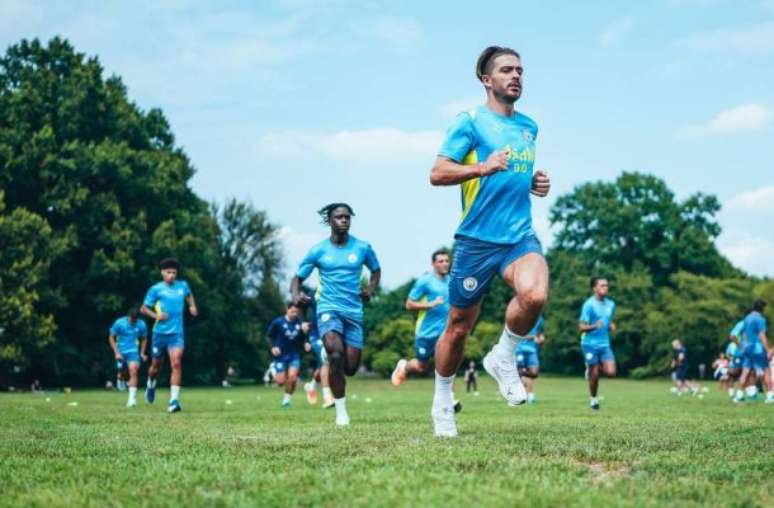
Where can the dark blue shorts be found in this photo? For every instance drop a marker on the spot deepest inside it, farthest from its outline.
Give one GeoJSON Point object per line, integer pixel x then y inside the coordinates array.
{"type": "Point", "coordinates": [425, 348]}
{"type": "Point", "coordinates": [477, 262]}
{"type": "Point", "coordinates": [527, 359]}
{"type": "Point", "coordinates": [593, 354]}
{"type": "Point", "coordinates": [289, 361]}
{"type": "Point", "coordinates": [681, 372]}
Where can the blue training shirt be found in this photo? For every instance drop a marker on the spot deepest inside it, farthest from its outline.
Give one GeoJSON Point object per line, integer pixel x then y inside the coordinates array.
{"type": "Point", "coordinates": [528, 344]}
{"type": "Point", "coordinates": [431, 322]}
{"type": "Point", "coordinates": [127, 334]}
{"type": "Point", "coordinates": [495, 208]}
{"type": "Point", "coordinates": [170, 299]}
{"type": "Point", "coordinates": [754, 324]}
{"type": "Point", "coordinates": [592, 311]}
{"type": "Point", "coordinates": [286, 335]}
{"type": "Point", "coordinates": [340, 268]}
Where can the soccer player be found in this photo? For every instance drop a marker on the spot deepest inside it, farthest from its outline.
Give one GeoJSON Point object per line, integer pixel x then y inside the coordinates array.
{"type": "Point", "coordinates": [528, 358]}
{"type": "Point", "coordinates": [596, 325]}
{"type": "Point", "coordinates": [165, 303]}
{"type": "Point", "coordinates": [124, 336]}
{"type": "Point", "coordinates": [734, 354]}
{"type": "Point", "coordinates": [321, 371]}
{"type": "Point", "coordinates": [755, 354]}
{"type": "Point", "coordinates": [471, 378]}
{"type": "Point", "coordinates": [680, 367]}
{"type": "Point", "coordinates": [430, 297]}
{"type": "Point", "coordinates": [720, 371]}
{"type": "Point", "coordinates": [287, 341]}
{"type": "Point", "coordinates": [339, 260]}
{"type": "Point", "coordinates": [490, 152]}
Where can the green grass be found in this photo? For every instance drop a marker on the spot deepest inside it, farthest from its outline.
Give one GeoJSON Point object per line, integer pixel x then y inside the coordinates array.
{"type": "Point", "coordinates": [645, 448]}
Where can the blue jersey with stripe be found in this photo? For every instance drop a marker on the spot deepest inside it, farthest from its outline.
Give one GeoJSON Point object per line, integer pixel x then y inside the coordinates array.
{"type": "Point", "coordinates": [495, 208]}
{"type": "Point", "coordinates": [431, 322]}
{"type": "Point", "coordinates": [169, 299]}
{"type": "Point", "coordinates": [127, 334]}
{"type": "Point", "coordinates": [528, 344]}
{"type": "Point", "coordinates": [592, 311]}
{"type": "Point", "coordinates": [340, 268]}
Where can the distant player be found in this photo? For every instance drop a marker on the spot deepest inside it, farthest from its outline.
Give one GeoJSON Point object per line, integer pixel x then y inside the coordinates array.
{"type": "Point", "coordinates": [471, 378]}
{"type": "Point", "coordinates": [128, 337]}
{"type": "Point", "coordinates": [429, 297]}
{"type": "Point", "coordinates": [528, 358]}
{"type": "Point", "coordinates": [734, 353]}
{"type": "Point", "coordinates": [720, 371]}
{"type": "Point", "coordinates": [596, 325]}
{"type": "Point", "coordinates": [165, 302]}
{"type": "Point", "coordinates": [756, 355]}
{"type": "Point", "coordinates": [339, 261]}
{"type": "Point", "coordinates": [287, 342]}
{"type": "Point", "coordinates": [680, 368]}
{"type": "Point", "coordinates": [321, 370]}
{"type": "Point", "coordinates": [490, 152]}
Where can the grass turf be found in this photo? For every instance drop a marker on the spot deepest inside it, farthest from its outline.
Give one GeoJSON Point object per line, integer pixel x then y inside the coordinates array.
{"type": "Point", "coordinates": [645, 448]}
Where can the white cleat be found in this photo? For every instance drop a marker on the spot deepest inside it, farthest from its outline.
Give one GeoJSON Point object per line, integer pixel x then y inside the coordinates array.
{"type": "Point", "coordinates": [399, 374]}
{"type": "Point", "coordinates": [342, 421]}
{"type": "Point", "coordinates": [131, 403]}
{"type": "Point", "coordinates": [444, 424]}
{"type": "Point", "coordinates": [508, 380]}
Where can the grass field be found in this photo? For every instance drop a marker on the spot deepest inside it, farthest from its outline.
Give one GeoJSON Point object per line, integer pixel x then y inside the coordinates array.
{"type": "Point", "coordinates": [645, 448]}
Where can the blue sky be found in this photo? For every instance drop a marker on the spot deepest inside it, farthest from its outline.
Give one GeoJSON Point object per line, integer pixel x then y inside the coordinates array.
{"type": "Point", "coordinates": [296, 103]}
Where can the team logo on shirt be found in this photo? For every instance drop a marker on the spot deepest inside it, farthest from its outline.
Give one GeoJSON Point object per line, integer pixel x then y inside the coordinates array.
{"type": "Point", "coordinates": [589, 356]}
{"type": "Point", "coordinates": [470, 283]}
{"type": "Point", "coordinates": [325, 317]}
{"type": "Point", "coordinates": [352, 258]}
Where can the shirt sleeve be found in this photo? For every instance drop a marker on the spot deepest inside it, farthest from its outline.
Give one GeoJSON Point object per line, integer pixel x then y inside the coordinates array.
{"type": "Point", "coordinates": [143, 329]}
{"type": "Point", "coordinates": [417, 290]}
{"type": "Point", "coordinates": [151, 297]}
{"type": "Point", "coordinates": [271, 331]}
{"type": "Point", "coordinates": [370, 259]}
{"type": "Point", "coordinates": [585, 316]}
{"type": "Point", "coordinates": [114, 329]}
{"type": "Point", "coordinates": [308, 264]}
{"type": "Point", "coordinates": [460, 138]}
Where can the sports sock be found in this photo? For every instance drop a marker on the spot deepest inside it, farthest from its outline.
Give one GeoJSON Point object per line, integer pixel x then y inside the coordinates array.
{"type": "Point", "coordinates": [770, 394]}
{"type": "Point", "coordinates": [530, 397]}
{"type": "Point", "coordinates": [286, 398]}
{"type": "Point", "coordinates": [174, 393]}
{"type": "Point", "coordinates": [594, 401]}
{"type": "Point", "coordinates": [327, 392]}
{"type": "Point", "coordinates": [739, 394]}
{"type": "Point", "coordinates": [313, 384]}
{"type": "Point", "coordinates": [443, 390]}
{"type": "Point", "coordinates": [507, 344]}
{"type": "Point", "coordinates": [132, 394]}
{"type": "Point", "coordinates": [341, 407]}
{"type": "Point", "coordinates": [151, 383]}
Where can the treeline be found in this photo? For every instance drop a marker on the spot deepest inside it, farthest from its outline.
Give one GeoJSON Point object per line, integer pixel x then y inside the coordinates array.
{"type": "Point", "coordinates": [93, 193]}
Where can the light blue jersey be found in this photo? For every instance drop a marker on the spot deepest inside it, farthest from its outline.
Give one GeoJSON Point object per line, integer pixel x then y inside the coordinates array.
{"type": "Point", "coordinates": [592, 311]}
{"type": "Point", "coordinates": [340, 268]}
{"type": "Point", "coordinates": [738, 330]}
{"type": "Point", "coordinates": [754, 324]}
{"type": "Point", "coordinates": [495, 208]}
{"type": "Point", "coordinates": [529, 345]}
{"type": "Point", "coordinates": [127, 334]}
{"type": "Point", "coordinates": [170, 299]}
{"type": "Point", "coordinates": [431, 322]}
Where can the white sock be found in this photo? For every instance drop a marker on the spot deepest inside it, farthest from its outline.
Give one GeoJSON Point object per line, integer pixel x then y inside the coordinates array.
{"type": "Point", "coordinates": [770, 394]}
{"type": "Point", "coordinates": [341, 407]}
{"type": "Point", "coordinates": [174, 393]}
{"type": "Point", "coordinates": [313, 384]}
{"type": "Point", "coordinates": [730, 392]}
{"type": "Point", "coordinates": [132, 393]}
{"type": "Point", "coordinates": [443, 390]}
{"type": "Point", "coordinates": [507, 344]}
{"type": "Point", "coordinates": [739, 394]}
{"type": "Point", "coordinates": [594, 401]}
{"type": "Point", "coordinates": [151, 383]}
{"type": "Point", "coordinates": [286, 397]}
{"type": "Point", "coordinates": [530, 396]}
{"type": "Point", "coordinates": [327, 392]}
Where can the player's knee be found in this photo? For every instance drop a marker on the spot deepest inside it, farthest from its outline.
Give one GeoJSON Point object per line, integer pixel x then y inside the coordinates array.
{"type": "Point", "coordinates": [533, 299]}
{"type": "Point", "coordinates": [610, 371]}
{"type": "Point", "coordinates": [336, 360]}
{"type": "Point", "coordinates": [458, 331]}
{"type": "Point", "coordinates": [533, 372]}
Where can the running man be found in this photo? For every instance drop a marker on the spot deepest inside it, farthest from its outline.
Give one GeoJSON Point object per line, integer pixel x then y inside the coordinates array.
{"type": "Point", "coordinates": [124, 336]}
{"type": "Point", "coordinates": [490, 152]}
{"type": "Point", "coordinates": [165, 303]}
{"type": "Point", "coordinates": [528, 358]}
{"type": "Point", "coordinates": [321, 370]}
{"type": "Point", "coordinates": [680, 368]}
{"type": "Point", "coordinates": [734, 354]}
{"type": "Point", "coordinates": [430, 297]}
{"type": "Point", "coordinates": [339, 260]}
{"type": "Point", "coordinates": [286, 340]}
{"type": "Point", "coordinates": [756, 354]}
{"type": "Point", "coordinates": [596, 325]}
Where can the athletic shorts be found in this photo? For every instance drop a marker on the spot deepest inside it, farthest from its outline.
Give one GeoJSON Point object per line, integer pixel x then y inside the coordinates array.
{"type": "Point", "coordinates": [527, 359]}
{"type": "Point", "coordinates": [424, 347]}
{"type": "Point", "coordinates": [349, 328]}
{"type": "Point", "coordinates": [736, 363]}
{"type": "Point", "coordinates": [128, 357]}
{"type": "Point", "coordinates": [593, 355]}
{"type": "Point", "coordinates": [319, 350]}
{"type": "Point", "coordinates": [285, 362]}
{"type": "Point", "coordinates": [161, 342]}
{"type": "Point", "coordinates": [476, 262]}
{"type": "Point", "coordinates": [681, 372]}
{"type": "Point", "coordinates": [721, 374]}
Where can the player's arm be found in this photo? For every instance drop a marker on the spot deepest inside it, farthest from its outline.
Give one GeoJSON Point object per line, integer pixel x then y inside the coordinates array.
{"type": "Point", "coordinates": [192, 308]}
{"type": "Point", "coordinates": [765, 342]}
{"type": "Point", "coordinates": [586, 327]}
{"type": "Point", "coordinates": [114, 346]}
{"type": "Point", "coordinates": [415, 305]}
{"type": "Point", "coordinates": [540, 338]}
{"type": "Point", "coordinates": [143, 346]}
{"type": "Point", "coordinates": [612, 327]}
{"type": "Point", "coordinates": [449, 172]}
{"type": "Point", "coordinates": [373, 283]}
{"type": "Point", "coordinates": [298, 296]}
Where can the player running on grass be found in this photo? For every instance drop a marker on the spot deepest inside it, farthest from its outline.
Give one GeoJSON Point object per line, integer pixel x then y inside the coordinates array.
{"type": "Point", "coordinates": [734, 354]}
{"type": "Point", "coordinates": [680, 368]}
{"type": "Point", "coordinates": [165, 303]}
{"type": "Point", "coordinates": [490, 152]}
{"type": "Point", "coordinates": [756, 355]}
{"type": "Point", "coordinates": [339, 260]}
{"type": "Point", "coordinates": [287, 341]}
{"type": "Point", "coordinates": [321, 370]}
{"type": "Point", "coordinates": [528, 358]}
{"type": "Point", "coordinates": [596, 325]}
{"type": "Point", "coordinates": [126, 334]}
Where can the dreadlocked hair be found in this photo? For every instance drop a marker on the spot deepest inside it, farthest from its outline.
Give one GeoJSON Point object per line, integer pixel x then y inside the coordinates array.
{"type": "Point", "coordinates": [326, 211]}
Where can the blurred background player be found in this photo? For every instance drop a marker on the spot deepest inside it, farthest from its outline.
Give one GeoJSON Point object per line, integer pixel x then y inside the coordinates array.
{"type": "Point", "coordinates": [471, 377]}
{"type": "Point", "coordinates": [128, 337]}
{"type": "Point", "coordinates": [528, 358]}
{"type": "Point", "coordinates": [680, 367]}
{"type": "Point", "coordinates": [756, 355]}
{"type": "Point", "coordinates": [287, 341]}
{"type": "Point", "coordinates": [165, 303]}
{"type": "Point", "coordinates": [321, 370]}
{"type": "Point", "coordinates": [596, 325]}
{"type": "Point", "coordinates": [339, 260]}
{"type": "Point", "coordinates": [734, 354]}
{"type": "Point", "coordinates": [720, 371]}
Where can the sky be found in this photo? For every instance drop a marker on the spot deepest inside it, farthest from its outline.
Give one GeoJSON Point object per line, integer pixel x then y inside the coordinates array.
{"type": "Point", "coordinates": [293, 104]}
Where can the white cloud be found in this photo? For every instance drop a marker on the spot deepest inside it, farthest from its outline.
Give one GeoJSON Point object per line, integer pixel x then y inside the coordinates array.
{"type": "Point", "coordinates": [296, 244]}
{"type": "Point", "coordinates": [744, 118]}
{"type": "Point", "coordinates": [751, 253]}
{"type": "Point", "coordinates": [616, 31]}
{"type": "Point", "coordinates": [755, 39]}
{"type": "Point", "coordinates": [396, 32]}
{"type": "Point", "coordinates": [455, 107]}
{"type": "Point", "coordinates": [363, 146]}
{"type": "Point", "coordinates": [754, 200]}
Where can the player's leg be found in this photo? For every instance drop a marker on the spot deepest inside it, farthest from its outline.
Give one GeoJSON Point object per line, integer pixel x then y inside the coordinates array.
{"type": "Point", "coordinates": [742, 383]}
{"type": "Point", "coordinates": [326, 386]}
{"type": "Point", "coordinates": [121, 375]}
{"type": "Point", "coordinates": [591, 357]}
{"type": "Point", "coordinates": [134, 368]}
{"type": "Point", "coordinates": [290, 383]}
{"type": "Point", "coordinates": [175, 352]}
{"type": "Point", "coordinates": [769, 381]}
{"type": "Point", "coordinates": [530, 374]}
{"type": "Point", "coordinates": [158, 348]}
{"type": "Point", "coordinates": [424, 349]}
{"type": "Point", "coordinates": [337, 363]}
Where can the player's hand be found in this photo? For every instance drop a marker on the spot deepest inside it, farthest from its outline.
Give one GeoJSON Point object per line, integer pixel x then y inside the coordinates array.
{"type": "Point", "coordinates": [193, 310]}
{"type": "Point", "coordinates": [599, 324]}
{"type": "Point", "coordinates": [541, 184]}
{"type": "Point", "coordinates": [301, 299]}
{"type": "Point", "coordinates": [612, 327]}
{"type": "Point", "coordinates": [497, 161]}
{"type": "Point", "coordinates": [365, 295]}
{"type": "Point", "coordinates": [275, 351]}
{"type": "Point", "coordinates": [118, 356]}
{"type": "Point", "coordinates": [437, 302]}
{"type": "Point", "coordinates": [306, 326]}
{"type": "Point", "coordinates": [307, 347]}
{"type": "Point", "coordinates": [162, 316]}
{"type": "Point", "coordinates": [144, 357]}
